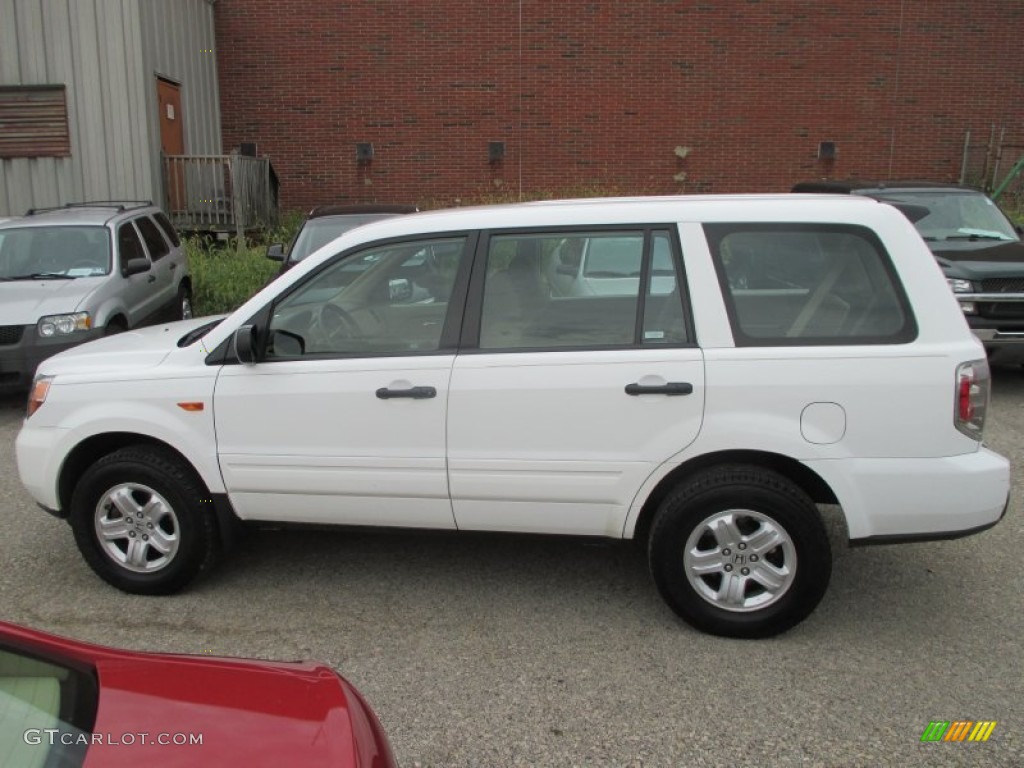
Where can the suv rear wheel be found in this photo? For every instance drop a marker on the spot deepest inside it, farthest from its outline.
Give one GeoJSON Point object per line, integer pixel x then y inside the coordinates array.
{"type": "Point", "coordinates": [140, 522]}
{"type": "Point", "coordinates": [740, 551]}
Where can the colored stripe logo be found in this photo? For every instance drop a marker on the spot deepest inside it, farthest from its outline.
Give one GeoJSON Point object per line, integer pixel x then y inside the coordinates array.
{"type": "Point", "coordinates": [958, 730]}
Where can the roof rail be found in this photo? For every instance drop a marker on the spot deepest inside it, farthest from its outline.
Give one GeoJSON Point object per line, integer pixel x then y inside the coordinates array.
{"type": "Point", "coordinates": [119, 205]}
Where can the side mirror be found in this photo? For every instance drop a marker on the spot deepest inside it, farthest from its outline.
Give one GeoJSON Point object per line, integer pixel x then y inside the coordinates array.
{"type": "Point", "coordinates": [399, 289]}
{"type": "Point", "coordinates": [275, 252]}
{"type": "Point", "coordinates": [245, 344]}
{"type": "Point", "coordinates": [135, 267]}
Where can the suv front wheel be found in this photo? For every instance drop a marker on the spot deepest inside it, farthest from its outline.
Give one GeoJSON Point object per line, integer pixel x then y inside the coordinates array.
{"type": "Point", "coordinates": [740, 551]}
{"type": "Point", "coordinates": [184, 303]}
{"type": "Point", "coordinates": [140, 521]}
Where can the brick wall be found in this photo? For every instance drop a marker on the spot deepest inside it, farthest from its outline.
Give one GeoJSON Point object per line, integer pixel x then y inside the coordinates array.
{"type": "Point", "coordinates": [599, 93]}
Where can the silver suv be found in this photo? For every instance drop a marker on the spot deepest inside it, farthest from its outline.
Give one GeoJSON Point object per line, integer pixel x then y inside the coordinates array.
{"type": "Point", "coordinates": [85, 270]}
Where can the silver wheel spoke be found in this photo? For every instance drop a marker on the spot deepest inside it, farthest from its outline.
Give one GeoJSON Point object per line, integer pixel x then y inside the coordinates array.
{"type": "Point", "coordinates": [725, 531]}
{"type": "Point", "coordinates": [122, 499]}
{"type": "Point", "coordinates": [162, 542]}
{"type": "Point", "coordinates": [706, 562]}
{"type": "Point", "coordinates": [768, 576]}
{"type": "Point", "coordinates": [113, 530]}
{"type": "Point", "coordinates": [154, 505]}
{"type": "Point", "coordinates": [765, 539]}
{"type": "Point", "coordinates": [136, 554]}
{"type": "Point", "coordinates": [731, 589]}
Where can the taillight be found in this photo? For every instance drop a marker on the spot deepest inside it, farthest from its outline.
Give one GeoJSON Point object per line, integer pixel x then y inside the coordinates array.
{"type": "Point", "coordinates": [973, 383]}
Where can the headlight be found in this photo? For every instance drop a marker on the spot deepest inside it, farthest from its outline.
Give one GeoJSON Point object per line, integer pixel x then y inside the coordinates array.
{"type": "Point", "coordinates": [956, 285]}
{"type": "Point", "coordinates": [62, 325]}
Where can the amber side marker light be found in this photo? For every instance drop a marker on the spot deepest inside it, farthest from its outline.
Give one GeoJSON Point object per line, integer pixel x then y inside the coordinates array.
{"type": "Point", "coordinates": [37, 395]}
{"type": "Point", "coordinates": [191, 406]}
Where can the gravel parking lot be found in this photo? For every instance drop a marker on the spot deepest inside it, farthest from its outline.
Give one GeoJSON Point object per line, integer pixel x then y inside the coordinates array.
{"type": "Point", "coordinates": [519, 651]}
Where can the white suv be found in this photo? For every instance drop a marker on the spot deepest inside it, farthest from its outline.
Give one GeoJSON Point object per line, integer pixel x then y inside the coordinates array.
{"type": "Point", "coordinates": [805, 352]}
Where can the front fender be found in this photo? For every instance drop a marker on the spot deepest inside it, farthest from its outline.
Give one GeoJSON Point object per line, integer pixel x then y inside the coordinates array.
{"type": "Point", "coordinates": [77, 412]}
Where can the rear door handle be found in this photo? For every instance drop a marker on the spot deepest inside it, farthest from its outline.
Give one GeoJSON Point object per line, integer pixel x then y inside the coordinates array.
{"type": "Point", "coordinates": [416, 393]}
{"type": "Point", "coordinates": [152, 279]}
{"type": "Point", "coordinates": [671, 388]}
{"type": "Point", "coordinates": [173, 266]}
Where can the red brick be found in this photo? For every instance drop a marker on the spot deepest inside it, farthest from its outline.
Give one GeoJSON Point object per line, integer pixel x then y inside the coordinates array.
{"type": "Point", "coordinates": [599, 93]}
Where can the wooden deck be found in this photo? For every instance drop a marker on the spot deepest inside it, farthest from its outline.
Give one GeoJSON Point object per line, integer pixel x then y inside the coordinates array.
{"type": "Point", "coordinates": [220, 193]}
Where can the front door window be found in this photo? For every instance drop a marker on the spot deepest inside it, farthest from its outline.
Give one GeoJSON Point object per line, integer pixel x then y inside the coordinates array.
{"type": "Point", "coordinates": [389, 300]}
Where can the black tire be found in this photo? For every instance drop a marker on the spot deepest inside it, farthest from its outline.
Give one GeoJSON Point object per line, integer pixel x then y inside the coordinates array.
{"type": "Point", "coordinates": [173, 514]}
{"type": "Point", "coordinates": [184, 307]}
{"type": "Point", "coordinates": [732, 520]}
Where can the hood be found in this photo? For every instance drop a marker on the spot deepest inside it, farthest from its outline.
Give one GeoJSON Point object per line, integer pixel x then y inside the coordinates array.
{"type": "Point", "coordinates": [23, 302]}
{"type": "Point", "coordinates": [129, 351]}
{"type": "Point", "coordinates": [981, 261]}
{"type": "Point", "coordinates": [247, 712]}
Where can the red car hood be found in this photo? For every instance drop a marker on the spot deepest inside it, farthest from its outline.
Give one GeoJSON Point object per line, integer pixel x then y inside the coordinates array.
{"type": "Point", "coordinates": [244, 712]}
{"type": "Point", "coordinates": [177, 710]}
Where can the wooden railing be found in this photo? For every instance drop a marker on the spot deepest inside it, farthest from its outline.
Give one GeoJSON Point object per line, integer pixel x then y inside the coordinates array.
{"type": "Point", "coordinates": [220, 193]}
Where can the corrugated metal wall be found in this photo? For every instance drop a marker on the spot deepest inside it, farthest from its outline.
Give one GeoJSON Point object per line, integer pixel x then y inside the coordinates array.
{"type": "Point", "coordinates": [179, 46]}
{"type": "Point", "coordinates": [108, 54]}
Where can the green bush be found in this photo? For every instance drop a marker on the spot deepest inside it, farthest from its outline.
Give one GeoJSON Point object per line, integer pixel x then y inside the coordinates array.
{"type": "Point", "coordinates": [223, 278]}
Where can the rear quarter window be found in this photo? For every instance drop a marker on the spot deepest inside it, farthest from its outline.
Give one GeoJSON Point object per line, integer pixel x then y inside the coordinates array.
{"type": "Point", "coordinates": [168, 228]}
{"type": "Point", "coordinates": [158, 247]}
{"type": "Point", "coordinates": [809, 284]}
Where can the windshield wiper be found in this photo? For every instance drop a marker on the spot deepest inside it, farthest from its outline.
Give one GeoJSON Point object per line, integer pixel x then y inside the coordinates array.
{"type": "Point", "coordinates": [978, 234]}
{"type": "Point", "coordinates": [42, 276]}
{"type": "Point", "coordinates": [197, 333]}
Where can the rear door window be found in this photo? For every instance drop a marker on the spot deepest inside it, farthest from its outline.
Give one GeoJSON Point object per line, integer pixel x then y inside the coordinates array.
{"type": "Point", "coordinates": [129, 244]}
{"type": "Point", "coordinates": [536, 295]}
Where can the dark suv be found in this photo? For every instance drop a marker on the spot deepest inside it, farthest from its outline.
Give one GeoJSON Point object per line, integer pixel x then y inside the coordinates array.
{"type": "Point", "coordinates": [977, 246]}
{"type": "Point", "coordinates": [326, 222]}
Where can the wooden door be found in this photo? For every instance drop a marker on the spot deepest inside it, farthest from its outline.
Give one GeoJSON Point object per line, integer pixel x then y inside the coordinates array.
{"type": "Point", "coordinates": [172, 141]}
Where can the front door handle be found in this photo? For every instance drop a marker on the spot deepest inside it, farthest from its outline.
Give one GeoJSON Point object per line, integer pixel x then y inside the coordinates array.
{"type": "Point", "coordinates": [671, 388]}
{"type": "Point", "coordinates": [416, 393]}
{"type": "Point", "coordinates": [152, 279]}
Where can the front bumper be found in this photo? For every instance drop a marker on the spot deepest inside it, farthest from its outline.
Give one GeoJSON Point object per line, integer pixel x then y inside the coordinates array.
{"type": "Point", "coordinates": [38, 460]}
{"type": "Point", "coordinates": [22, 349]}
{"type": "Point", "coordinates": [997, 319]}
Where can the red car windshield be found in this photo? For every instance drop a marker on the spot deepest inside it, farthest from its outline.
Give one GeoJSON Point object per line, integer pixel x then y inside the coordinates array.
{"type": "Point", "coordinates": [47, 711]}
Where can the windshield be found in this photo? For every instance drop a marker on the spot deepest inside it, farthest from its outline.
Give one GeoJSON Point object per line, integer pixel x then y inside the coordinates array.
{"type": "Point", "coordinates": [319, 232]}
{"type": "Point", "coordinates": [55, 251]}
{"type": "Point", "coordinates": [956, 215]}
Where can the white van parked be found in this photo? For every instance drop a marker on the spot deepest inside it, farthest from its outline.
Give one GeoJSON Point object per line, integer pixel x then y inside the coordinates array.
{"type": "Point", "coordinates": [763, 356]}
